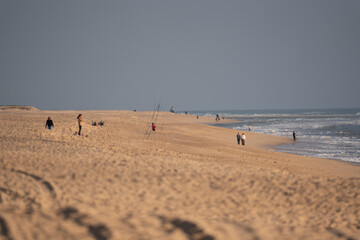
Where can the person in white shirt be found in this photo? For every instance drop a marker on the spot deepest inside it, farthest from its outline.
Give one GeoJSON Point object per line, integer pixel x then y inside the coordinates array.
{"type": "Point", "coordinates": [243, 138]}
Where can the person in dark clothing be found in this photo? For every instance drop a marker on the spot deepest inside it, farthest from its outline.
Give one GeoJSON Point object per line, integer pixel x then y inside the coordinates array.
{"type": "Point", "coordinates": [49, 124]}
{"type": "Point", "coordinates": [79, 118]}
{"type": "Point", "coordinates": [294, 136]}
{"type": "Point", "coordinates": [238, 138]}
{"type": "Point", "coordinates": [217, 117]}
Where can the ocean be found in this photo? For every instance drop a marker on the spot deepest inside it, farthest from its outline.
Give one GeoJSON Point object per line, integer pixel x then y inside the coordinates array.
{"type": "Point", "coordinates": [323, 133]}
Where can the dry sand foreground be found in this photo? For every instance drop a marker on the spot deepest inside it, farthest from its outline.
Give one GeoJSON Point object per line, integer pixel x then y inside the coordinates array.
{"type": "Point", "coordinates": [185, 181]}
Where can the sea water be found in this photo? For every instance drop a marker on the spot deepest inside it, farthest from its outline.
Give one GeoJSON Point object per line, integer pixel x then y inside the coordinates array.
{"type": "Point", "coordinates": [324, 133]}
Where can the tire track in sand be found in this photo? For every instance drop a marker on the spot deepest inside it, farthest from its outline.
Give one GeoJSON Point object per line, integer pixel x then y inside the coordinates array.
{"type": "Point", "coordinates": [30, 202]}
{"type": "Point", "coordinates": [45, 183]}
{"type": "Point", "coordinates": [192, 231]}
{"type": "Point", "coordinates": [4, 229]}
{"type": "Point", "coordinates": [98, 230]}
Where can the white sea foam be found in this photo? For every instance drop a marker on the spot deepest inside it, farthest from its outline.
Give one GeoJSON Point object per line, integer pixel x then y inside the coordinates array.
{"type": "Point", "coordinates": [333, 136]}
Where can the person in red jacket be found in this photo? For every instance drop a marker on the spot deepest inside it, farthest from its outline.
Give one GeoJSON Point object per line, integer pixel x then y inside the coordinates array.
{"type": "Point", "coordinates": [153, 126]}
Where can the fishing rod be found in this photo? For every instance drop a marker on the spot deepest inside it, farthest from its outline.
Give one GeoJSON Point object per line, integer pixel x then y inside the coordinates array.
{"type": "Point", "coordinates": [153, 120]}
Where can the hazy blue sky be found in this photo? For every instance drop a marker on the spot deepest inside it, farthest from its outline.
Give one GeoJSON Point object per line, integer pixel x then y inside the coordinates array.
{"type": "Point", "coordinates": [193, 54]}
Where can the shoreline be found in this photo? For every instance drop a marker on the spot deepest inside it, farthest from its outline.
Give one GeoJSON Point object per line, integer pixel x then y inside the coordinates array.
{"type": "Point", "coordinates": [292, 116]}
{"type": "Point", "coordinates": [239, 119]}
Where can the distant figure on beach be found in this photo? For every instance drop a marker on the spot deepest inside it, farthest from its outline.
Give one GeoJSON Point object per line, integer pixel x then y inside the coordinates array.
{"type": "Point", "coordinates": [249, 127]}
{"type": "Point", "coordinates": [238, 137]}
{"type": "Point", "coordinates": [79, 118]}
{"type": "Point", "coordinates": [185, 112]}
{"type": "Point", "coordinates": [49, 123]}
{"type": "Point", "coordinates": [197, 117]}
{"type": "Point", "coordinates": [101, 123]}
{"type": "Point", "coordinates": [153, 126]}
{"type": "Point", "coordinates": [294, 136]}
{"type": "Point", "coordinates": [243, 138]}
{"type": "Point", "coordinates": [172, 109]}
{"type": "Point", "coordinates": [217, 117]}
{"type": "Point", "coordinates": [93, 123]}
{"type": "Point", "coordinates": [223, 117]}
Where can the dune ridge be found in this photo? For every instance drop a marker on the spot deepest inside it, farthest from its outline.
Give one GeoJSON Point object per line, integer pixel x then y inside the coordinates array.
{"type": "Point", "coordinates": [17, 108]}
{"type": "Point", "coordinates": [187, 180]}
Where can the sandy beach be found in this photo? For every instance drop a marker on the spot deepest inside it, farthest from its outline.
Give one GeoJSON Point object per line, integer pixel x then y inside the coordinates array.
{"type": "Point", "coordinates": [186, 181]}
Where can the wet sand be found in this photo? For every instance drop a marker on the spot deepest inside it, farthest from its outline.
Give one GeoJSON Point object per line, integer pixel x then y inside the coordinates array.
{"type": "Point", "coordinates": [187, 180]}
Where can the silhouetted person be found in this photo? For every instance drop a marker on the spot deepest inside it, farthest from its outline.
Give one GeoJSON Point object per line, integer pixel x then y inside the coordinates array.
{"type": "Point", "coordinates": [238, 137]}
{"type": "Point", "coordinates": [79, 118]}
{"type": "Point", "coordinates": [49, 123]}
{"type": "Point", "coordinates": [294, 136]}
{"type": "Point", "coordinates": [217, 117]}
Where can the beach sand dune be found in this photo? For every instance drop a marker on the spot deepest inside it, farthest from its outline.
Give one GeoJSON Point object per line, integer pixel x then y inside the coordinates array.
{"type": "Point", "coordinates": [185, 181]}
{"type": "Point", "coordinates": [17, 108]}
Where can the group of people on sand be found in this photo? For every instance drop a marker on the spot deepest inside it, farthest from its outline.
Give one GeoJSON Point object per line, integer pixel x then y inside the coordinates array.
{"type": "Point", "coordinates": [101, 123]}
{"type": "Point", "coordinates": [50, 124]}
{"type": "Point", "coordinates": [241, 138]}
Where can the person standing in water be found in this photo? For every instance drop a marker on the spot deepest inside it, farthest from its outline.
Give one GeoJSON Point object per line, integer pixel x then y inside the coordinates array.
{"type": "Point", "coordinates": [238, 138]}
{"type": "Point", "coordinates": [249, 127]}
{"type": "Point", "coordinates": [294, 136]}
{"type": "Point", "coordinates": [49, 124]}
{"type": "Point", "coordinates": [79, 118]}
{"type": "Point", "coordinates": [243, 138]}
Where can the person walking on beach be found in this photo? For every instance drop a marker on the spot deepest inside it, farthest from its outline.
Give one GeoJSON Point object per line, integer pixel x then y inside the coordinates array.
{"type": "Point", "coordinates": [243, 138]}
{"type": "Point", "coordinates": [49, 124]}
{"type": "Point", "coordinates": [294, 136]}
{"type": "Point", "coordinates": [217, 117]}
{"type": "Point", "coordinates": [79, 118]}
{"type": "Point", "coordinates": [153, 126]}
{"type": "Point", "coordinates": [238, 137]}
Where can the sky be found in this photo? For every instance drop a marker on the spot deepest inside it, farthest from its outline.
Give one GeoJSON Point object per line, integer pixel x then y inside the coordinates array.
{"type": "Point", "coordinates": [190, 54]}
